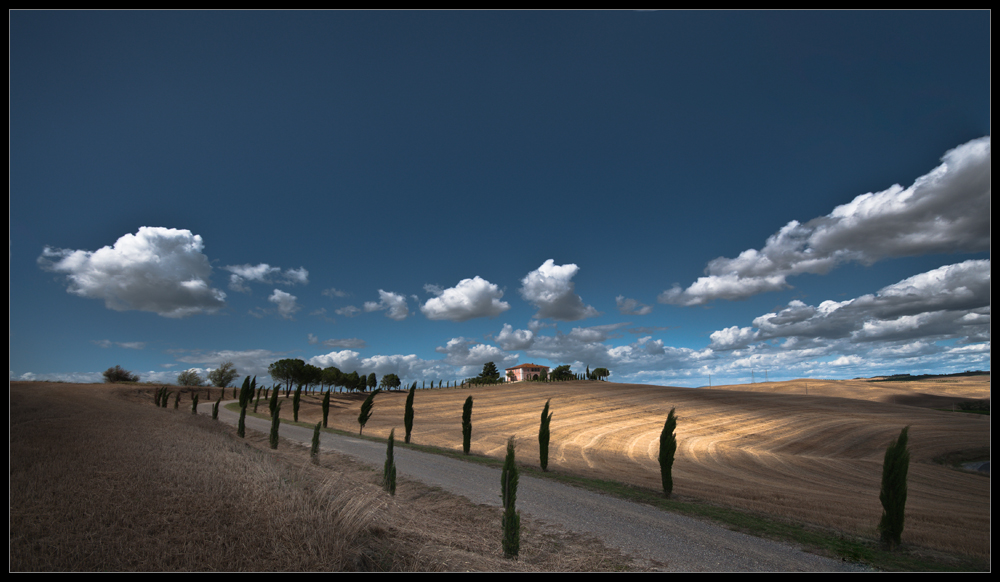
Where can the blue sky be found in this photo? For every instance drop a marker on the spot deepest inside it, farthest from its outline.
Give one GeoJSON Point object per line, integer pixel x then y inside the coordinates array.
{"type": "Point", "coordinates": [671, 195]}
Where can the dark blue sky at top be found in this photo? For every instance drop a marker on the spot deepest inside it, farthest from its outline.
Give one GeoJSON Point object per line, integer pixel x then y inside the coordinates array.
{"type": "Point", "coordinates": [391, 150]}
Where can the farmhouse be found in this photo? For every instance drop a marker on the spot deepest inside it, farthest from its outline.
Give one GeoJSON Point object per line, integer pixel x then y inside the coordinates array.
{"type": "Point", "coordinates": [526, 372]}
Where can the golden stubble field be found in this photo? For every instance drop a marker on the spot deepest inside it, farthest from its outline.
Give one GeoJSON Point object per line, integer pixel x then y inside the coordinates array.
{"type": "Point", "coordinates": [766, 447]}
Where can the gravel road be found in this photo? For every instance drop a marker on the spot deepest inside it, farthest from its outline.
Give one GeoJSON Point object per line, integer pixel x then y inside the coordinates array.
{"type": "Point", "coordinates": [677, 543]}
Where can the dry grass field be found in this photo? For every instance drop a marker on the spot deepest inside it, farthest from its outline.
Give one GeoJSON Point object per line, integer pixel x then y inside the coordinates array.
{"type": "Point", "coordinates": [101, 480]}
{"type": "Point", "coordinates": [766, 448]}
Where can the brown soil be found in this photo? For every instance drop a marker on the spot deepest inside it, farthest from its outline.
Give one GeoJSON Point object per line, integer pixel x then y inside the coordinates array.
{"type": "Point", "coordinates": [767, 448]}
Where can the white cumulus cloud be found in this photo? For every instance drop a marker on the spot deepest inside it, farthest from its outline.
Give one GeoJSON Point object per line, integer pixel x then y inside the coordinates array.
{"type": "Point", "coordinates": [550, 289]}
{"type": "Point", "coordinates": [470, 299]}
{"type": "Point", "coordinates": [162, 270]}
{"type": "Point", "coordinates": [264, 273]}
{"type": "Point", "coordinates": [286, 302]}
{"type": "Point", "coordinates": [393, 304]}
{"type": "Point", "coordinates": [946, 210]}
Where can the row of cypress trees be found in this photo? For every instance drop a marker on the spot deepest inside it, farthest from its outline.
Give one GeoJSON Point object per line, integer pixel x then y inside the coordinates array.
{"type": "Point", "coordinates": [892, 494]}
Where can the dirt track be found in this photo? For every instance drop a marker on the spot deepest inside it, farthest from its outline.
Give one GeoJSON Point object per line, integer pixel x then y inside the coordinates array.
{"type": "Point", "coordinates": [814, 459]}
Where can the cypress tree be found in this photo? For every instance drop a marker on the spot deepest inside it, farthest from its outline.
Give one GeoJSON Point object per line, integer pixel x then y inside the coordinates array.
{"type": "Point", "coordinates": [296, 400]}
{"type": "Point", "coordinates": [314, 452]}
{"type": "Point", "coordinates": [366, 410]}
{"type": "Point", "coordinates": [408, 412]}
{"type": "Point", "coordinates": [543, 437]}
{"type": "Point", "coordinates": [275, 421]}
{"type": "Point", "coordinates": [326, 407]}
{"type": "Point", "coordinates": [177, 400]}
{"type": "Point", "coordinates": [215, 408]}
{"type": "Point", "coordinates": [511, 521]}
{"type": "Point", "coordinates": [389, 471]}
{"type": "Point", "coordinates": [241, 428]}
{"type": "Point", "coordinates": [893, 493]}
{"type": "Point", "coordinates": [194, 403]}
{"type": "Point", "coordinates": [668, 446]}
{"type": "Point", "coordinates": [467, 425]}
{"type": "Point", "coordinates": [273, 402]}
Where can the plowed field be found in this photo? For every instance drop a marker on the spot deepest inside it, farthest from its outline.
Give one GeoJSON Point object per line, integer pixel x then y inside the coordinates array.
{"type": "Point", "coordinates": [813, 458]}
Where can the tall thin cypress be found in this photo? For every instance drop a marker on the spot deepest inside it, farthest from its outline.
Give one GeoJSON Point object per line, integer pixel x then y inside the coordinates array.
{"type": "Point", "coordinates": [326, 406]}
{"type": "Point", "coordinates": [296, 400]}
{"type": "Point", "coordinates": [408, 412]}
{"type": "Point", "coordinates": [273, 402]}
{"type": "Point", "coordinates": [511, 521]}
{"type": "Point", "coordinates": [893, 494]}
{"type": "Point", "coordinates": [314, 451]}
{"type": "Point", "coordinates": [389, 471]}
{"type": "Point", "coordinates": [467, 425]}
{"type": "Point", "coordinates": [668, 446]}
{"type": "Point", "coordinates": [194, 403]}
{"type": "Point", "coordinates": [543, 437]}
{"type": "Point", "coordinates": [366, 410]}
{"type": "Point", "coordinates": [275, 421]}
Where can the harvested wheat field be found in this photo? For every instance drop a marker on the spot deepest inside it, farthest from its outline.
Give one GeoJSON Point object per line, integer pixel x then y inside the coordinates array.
{"type": "Point", "coordinates": [813, 458]}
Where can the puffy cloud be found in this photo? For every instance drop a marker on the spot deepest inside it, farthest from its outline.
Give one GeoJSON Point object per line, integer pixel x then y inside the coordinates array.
{"type": "Point", "coordinates": [732, 338]}
{"type": "Point", "coordinates": [408, 366]}
{"type": "Point", "coordinates": [471, 355]}
{"type": "Point", "coordinates": [550, 289]}
{"type": "Point", "coordinates": [512, 340]}
{"type": "Point", "coordinates": [286, 303]}
{"type": "Point", "coordinates": [952, 301]}
{"type": "Point", "coordinates": [162, 270]}
{"type": "Point", "coordinates": [247, 362]}
{"type": "Point", "coordinates": [631, 306]}
{"type": "Point", "coordinates": [333, 292]}
{"type": "Point", "coordinates": [469, 299]}
{"type": "Point", "coordinates": [393, 303]}
{"type": "Point", "coordinates": [127, 345]}
{"type": "Point", "coordinates": [264, 273]}
{"type": "Point", "coordinates": [353, 342]}
{"type": "Point", "coordinates": [944, 211]}
{"type": "Point", "coordinates": [347, 311]}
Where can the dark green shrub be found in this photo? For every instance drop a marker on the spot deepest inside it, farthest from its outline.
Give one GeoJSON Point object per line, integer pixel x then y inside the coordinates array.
{"type": "Point", "coordinates": [194, 403]}
{"type": "Point", "coordinates": [543, 437]}
{"type": "Point", "coordinates": [215, 408]}
{"type": "Point", "coordinates": [511, 520]}
{"type": "Point", "coordinates": [893, 493]}
{"type": "Point", "coordinates": [177, 400]}
{"type": "Point", "coordinates": [467, 425]}
{"type": "Point", "coordinates": [668, 446]}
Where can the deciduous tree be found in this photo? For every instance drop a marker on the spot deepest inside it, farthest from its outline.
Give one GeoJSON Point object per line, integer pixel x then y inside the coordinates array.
{"type": "Point", "coordinates": [118, 375]}
{"type": "Point", "coordinates": [189, 378]}
{"type": "Point", "coordinates": [223, 375]}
